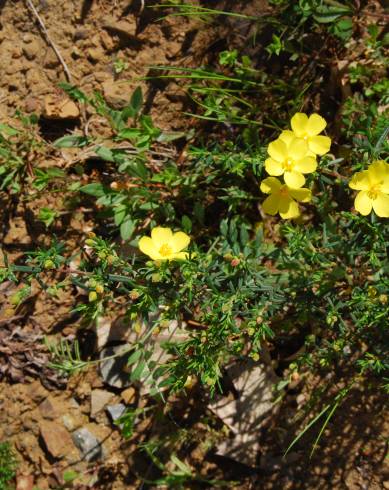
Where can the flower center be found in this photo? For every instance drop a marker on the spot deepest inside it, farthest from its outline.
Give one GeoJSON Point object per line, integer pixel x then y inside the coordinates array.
{"type": "Point", "coordinates": [165, 250]}
{"type": "Point", "coordinates": [288, 164]}
{"type": "Point", "coordinates": [374, 191]}
{"type": "Point", "coordinates": [284, 191]}
{"type": "Point", "coordinates": [305, 137]}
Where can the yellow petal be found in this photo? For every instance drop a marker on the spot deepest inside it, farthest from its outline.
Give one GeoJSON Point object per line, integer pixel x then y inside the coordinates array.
{"type": "Point", "coordinates": [319, 144]}
{"type": "Point", "coordinates": [270, 204]}
{"type": "Point", "coordinates": [316, 124]}
{"type": "Point", "coordinates": [273, 167]}
{"type": "Point", "coordinates": [288, 208]}
{"type": "Point", "coordinates": [299, 123]}
{"type": "Point", "coordinates": [378, 171]}
{"type": "Point", "coordinates": [294, 179]}
{"type": "Point", "coordinates": [179, 241]}
{"type": "Point", "coordinates": [270, 185]}
{"type": "Point", "coordinates": [277, 150]}
{"type": "Point", "coordinates": [302, 195]}
{"type": "Point", "coordinates": [385, 185]}
{"type": "Point", "coordinates": [306, 165]}
{"type": "Point", "coordinates": [161, 236]}
{"type": "Point", "coordinates": [381, 205]}
{"type": "Point", "coordinates": [146, 245]}
{"type": "Point", "coordinates": [297, 149]}
{"type": "Point", "coordinates": [287, 136]}
{"type": "Point", "coordinates": [360, 181]}
{"type": "Point", "coordinates": [363, 204]}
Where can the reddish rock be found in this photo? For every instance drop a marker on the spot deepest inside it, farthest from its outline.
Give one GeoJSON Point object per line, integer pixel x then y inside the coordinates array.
{"type": "Point", "coordinates": [57, 439]}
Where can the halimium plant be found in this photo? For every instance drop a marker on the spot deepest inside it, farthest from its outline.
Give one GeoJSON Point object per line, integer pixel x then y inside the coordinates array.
{"type": "Point", "coordinates": [204, 250]}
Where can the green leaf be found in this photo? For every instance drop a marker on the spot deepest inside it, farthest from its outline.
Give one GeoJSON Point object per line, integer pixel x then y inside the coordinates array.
{"type": "Point", "coordinates": [105, 153]}
{"type": "Point", "coordinates": [94, 189]}
{"type": "Point", "coordinates": [8, 130]}
{"type": "Point", "coordinates": [70, 141]}
{"type": "Point", "coordinates": [137, 100]}
{"type": "Point", "coordinates": [326, 14]}
{"type": "Point", "coordinates": [137, 373]}
{"type": "Point", "coordinates": [127, 228]}
{"type": "Point", "coordinates": [134, 357]}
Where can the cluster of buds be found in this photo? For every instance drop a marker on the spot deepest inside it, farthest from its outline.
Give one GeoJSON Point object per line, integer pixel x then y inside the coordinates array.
{"type": "Point", "coordinates": [97, 289]}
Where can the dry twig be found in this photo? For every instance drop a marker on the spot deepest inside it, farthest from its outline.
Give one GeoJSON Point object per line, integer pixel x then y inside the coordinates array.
{"type": "Point", "coordinates": [32, 8]}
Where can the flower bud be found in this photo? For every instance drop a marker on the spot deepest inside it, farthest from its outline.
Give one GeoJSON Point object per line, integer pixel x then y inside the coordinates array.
{"type": "Point", "coordinates": [99, 289]}
{"type": "Point", "coordinates": [235, 262]}
{"type": "Point", "coordinates": [92, 296]}
{"type": "Point", "coordinates": [49, 264]}
{"type": "Point", "coordinates": [156, 277]}
{"type": "Point", "coordinates": [90, 242]}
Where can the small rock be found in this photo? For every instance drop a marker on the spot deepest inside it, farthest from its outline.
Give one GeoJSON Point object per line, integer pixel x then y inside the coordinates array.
{"type": "Point", "coordinates": [117, 94]}
{"type": "Point", "coordinates": [116, 411]}
{"type": "Point", "coordinates": [95, 54]}
{"type": "Point", "coordinates": [31, 49]}
{"type": "Point", "coordinates": [37, 392]}
{"type": "Point", "coordinates": [51, 59]}
{"type": "Point", "coordinates": [89, 446]}
{"type": "Point", "coordinates": [57, 439]}
{"type": "Point", "coordinates": [99, 399]}
{"type": "Point", "coordinates": [24, 482]}
{"type": "Point", "coordinates": [128, 395]}
{"type": "Point", "coordinates": [32, 104]}
{"type": "Point", "coordinates": [115, 371]}
{"type": "Point", "coordinates": [58, 107]}
{"type": "Point", "coordinates": [47, 409]}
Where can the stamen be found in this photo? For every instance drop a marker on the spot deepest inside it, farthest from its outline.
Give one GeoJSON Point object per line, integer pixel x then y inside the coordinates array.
{"type": "Point", "coordinates": [165, 250]}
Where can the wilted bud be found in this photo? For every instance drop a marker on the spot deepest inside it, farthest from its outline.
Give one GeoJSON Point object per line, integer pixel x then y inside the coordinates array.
{"type": "Point", "coordinates": [49, 264]}
{"type": "Point", "coordinates": [235, 262]}
{"type": "Point", "coordinates": [111, 259]}
{"type": "Point", "coordinates": [383, 298]}
{"type": "Point", "coordinates": [134, 294]}
{"type": "Point", "coordinates": [114, 186]}
{"type": "Point", "coordinates": [228, 257]}
{"type": "Point", "coordinates": [92, 296]}
{"type": "Point", "coordinates": [91, 234]}
{"type": "Point", "coordinates": [372, 292]}
{"type": "Point", "coordinates": [99, 289]}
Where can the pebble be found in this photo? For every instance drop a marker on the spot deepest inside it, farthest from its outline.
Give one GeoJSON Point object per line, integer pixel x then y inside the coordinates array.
{"type": "Point", "coordinates": [57, 439]}
{"type": "Point", "coordinates": [116, 411]}
{"type": "Point", "coordinates": [89, 446]}
{"type": "Point", "coordinates": [99, 399]}
{"type": "Point", "coordinates": [117, 94]}
{"type": "Point", "coordinates": [128, 395]}
{"type": "Point", "coordinates": [31, 49]}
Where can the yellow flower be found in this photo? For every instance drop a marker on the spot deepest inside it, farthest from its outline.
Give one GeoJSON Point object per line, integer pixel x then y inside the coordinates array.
{"type": "Point", "coordinates": [308, 129]}
{"type": "Point", "coordinates": [373, 185]}
{"type": "Point", "coordinates": [282, 198]}
{"type": "Point", "coordinates": [164, 244]}
{"type": "Point", "coordinates": [289, 157]}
